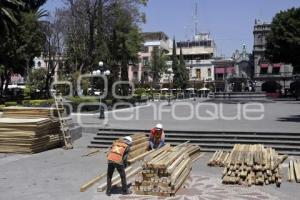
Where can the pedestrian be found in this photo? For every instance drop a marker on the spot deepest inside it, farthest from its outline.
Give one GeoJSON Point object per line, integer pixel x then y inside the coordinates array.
{"type": "Point", "coordinates": [157, 137]}
{"type": "Point", "coordinates": [117, 159]}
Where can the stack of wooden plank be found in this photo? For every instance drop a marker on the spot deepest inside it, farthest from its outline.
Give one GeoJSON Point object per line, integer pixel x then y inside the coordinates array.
{"type": "Point", "coordinates": [294, 171]}
{"type": "Point", "coordinates": [253, 165]}
{"type": "Point", "coordinates": [23, 135]}
{"type": "Point", "coordinates": [29, 112]}
{"type": "Point", "coordinates": [219, 159]}
{"type": "Point", "coordinates": [165, 170]}
{"type": "Point", "coordinates": [139, 146]}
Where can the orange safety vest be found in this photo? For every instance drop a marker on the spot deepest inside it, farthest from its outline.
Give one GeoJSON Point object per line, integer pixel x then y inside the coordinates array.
{"type": "Point", "coordinates": [116, 152]}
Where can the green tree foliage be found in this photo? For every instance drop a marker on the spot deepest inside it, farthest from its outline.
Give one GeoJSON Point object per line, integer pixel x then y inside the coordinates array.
{"type": "Point", "coordinates": [181, 77]}
{"type": "Point", "coordinates": [283, 42]}
{"type": "Point", "coordinates": [183, 71]}
{"type": "Point", "coordinates": [20, 46]}
{"type": "Point", "coordinates": [37, 78]}
{"type": "Point", "coordinates": [102, 30]}
{"type": "Point", "coordinates": [9, 15]}
{"type": "Point", "coordinates": [175, 68]}
{"type": "Point", "coordinates": [158, 65]}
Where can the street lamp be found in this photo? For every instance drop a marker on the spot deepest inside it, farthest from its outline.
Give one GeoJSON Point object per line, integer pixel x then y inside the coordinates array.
{"type": "Point", "coordinates": [194, 81]}
{"type": "Point", "coordinates": [102, 71]}
{"type": "Point", "coordinates": [169, 97]}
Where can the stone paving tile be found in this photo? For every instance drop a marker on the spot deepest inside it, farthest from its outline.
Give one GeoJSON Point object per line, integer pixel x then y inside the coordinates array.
{"type": "Point", "coordinates": [207, 188]}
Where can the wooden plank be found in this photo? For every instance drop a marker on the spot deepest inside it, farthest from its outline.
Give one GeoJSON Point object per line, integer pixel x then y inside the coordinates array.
{"type": "Point", "coordinates": [117, 179]}
{"type": "Point", "coordinates": [90, 183]}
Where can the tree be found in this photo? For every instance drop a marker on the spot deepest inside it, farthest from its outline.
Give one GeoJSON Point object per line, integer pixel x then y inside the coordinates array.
{"type": "Point", "coordinates": [181, 77]}
{"type": "Point", "coordinates": [21, 40]}
{"type": "Point", "coordinates": [102, 30]}
{"type": "Point", "coordinates": [9, 15]}
{"type": "Point", "coordinates": [283, 42]}
{"type": "Point", "coordinates": [37, 77]}
{"type": "Point", "coordinates": [183, 71]}
{"type": "Point", "coordinates": [176, 77]}
{"type": "Point", "coordinates": [157, 64]}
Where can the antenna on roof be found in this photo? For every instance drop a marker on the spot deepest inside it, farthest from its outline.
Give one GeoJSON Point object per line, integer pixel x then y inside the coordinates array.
{"type": "Point", "coordinates": [196, 17]}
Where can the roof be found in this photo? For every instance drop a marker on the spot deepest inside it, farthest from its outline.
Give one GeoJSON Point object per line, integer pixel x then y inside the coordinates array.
{"type": "Point", "coordinates": [151, 36]}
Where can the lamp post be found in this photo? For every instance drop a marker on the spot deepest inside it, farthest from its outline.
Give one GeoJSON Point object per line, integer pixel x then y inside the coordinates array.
{"type": "Point", "coordinates": [194, 80]}
{"type": "Point", "coordinates": [169, 97]}
{"type": "Point", "coordinates": [102, 71]}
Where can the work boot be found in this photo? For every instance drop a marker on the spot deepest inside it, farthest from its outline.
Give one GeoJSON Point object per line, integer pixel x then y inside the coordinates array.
{"type": "Point", "coordinates": [108, 193]}
{"type": "Point", "coordinates": [127, 192]}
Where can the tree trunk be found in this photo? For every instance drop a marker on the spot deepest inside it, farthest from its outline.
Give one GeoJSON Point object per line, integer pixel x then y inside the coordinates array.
{"type": "Point", "coordinates": [1, 84]}
{"type": "Point", "coordinates": [7, 81]}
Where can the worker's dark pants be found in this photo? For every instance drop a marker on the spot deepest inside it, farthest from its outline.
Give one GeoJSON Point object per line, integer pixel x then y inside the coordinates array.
{"type": "Point", "coordinates": [110, 171]}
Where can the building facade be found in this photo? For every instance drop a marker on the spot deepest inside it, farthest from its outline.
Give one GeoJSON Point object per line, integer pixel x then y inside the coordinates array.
{"type": "Point", "coordinates": [198, 55]}
{"type": "Point", "coordinates": [269, 77]}
{"type": "Point", "coordinates": [141, 72]}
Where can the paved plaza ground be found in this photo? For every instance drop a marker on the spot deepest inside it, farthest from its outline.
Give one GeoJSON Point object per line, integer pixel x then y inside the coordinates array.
{"type": "Point", "coordinates": [281, 116]}
{"type": "Point", "coordinates": [58, 174]}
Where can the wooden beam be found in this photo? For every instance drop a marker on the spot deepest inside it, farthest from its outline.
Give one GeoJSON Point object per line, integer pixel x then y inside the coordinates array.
{"type": "Point", "coordinates": [87, 185]}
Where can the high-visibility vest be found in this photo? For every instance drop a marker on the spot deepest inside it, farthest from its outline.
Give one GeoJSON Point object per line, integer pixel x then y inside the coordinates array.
{"type": "Point", "coordinates": [116, 152]}
{"type": "Point", "coordinates": [156, 135]}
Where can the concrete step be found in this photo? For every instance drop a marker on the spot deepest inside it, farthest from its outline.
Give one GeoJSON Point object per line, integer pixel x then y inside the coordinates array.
{"type": "Point", "coordinates": [210, 141]}
{"type": "Point", "coordinates": [191, 133]}
{"type": "Point", "coordinates": [200, 135]}
{"type": "Point", "coordinates": [295, 142]}
{"type": "Point", "coordinates": [230, 141]}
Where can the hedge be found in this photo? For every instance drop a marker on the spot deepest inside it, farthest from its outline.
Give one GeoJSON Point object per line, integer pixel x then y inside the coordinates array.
{"type": "Point", "coordinates": [11, 103]}
{"type": "Point", "coordinates": [38, 103]}
{"type": "Point", "coordinates": [1, 107]}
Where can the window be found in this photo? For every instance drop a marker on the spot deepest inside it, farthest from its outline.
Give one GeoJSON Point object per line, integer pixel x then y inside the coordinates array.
{"type": "Point", "coordinates": [209, 72]}
{"type": "Point", "coordinates": [263, 70]}
{"type": "Point", "coordinates": [135, 76]}
{"type": "Point", "coordinates": [276, 70]}
{"type": "Point", "coordinates": [198, 73]}
{"type": "Point", "coordinates": [39, 64]}
{"type": "Point", "coordinates": [219, 77]}
{"type": "Point", "coordinates": [146, 49]}
{"type": "Point", "coordinates": [145, 60]}
{"type": "Point", "coordinates": [155, 48]}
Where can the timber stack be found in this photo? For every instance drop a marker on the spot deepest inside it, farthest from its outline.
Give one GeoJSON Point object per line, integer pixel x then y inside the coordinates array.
{"type": "Point", "coordinates": [139, 147]}
{"type": "Point", "coordinates": [28, 135]}
{"type": "Point", "coordinates": [219, 159]}
{"type": "Point", "coordinates": [29, 130]}
{"type": "Point", "coordinates": [253, 165]}
{"type": "Point", "coordinates": [294, 171]}
{"type": "Point", "coordinates": [29, 112]}
{"type": "Point", "coordinates": [165, 170]}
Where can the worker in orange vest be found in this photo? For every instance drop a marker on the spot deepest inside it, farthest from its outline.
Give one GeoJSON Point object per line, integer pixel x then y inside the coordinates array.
{"type": "Point", "coordinates": [117, 158]}
{"type": "Point", "coordinates": [157, 137]}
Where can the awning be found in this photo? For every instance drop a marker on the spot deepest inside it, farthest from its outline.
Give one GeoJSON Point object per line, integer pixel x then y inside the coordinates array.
{"type": "Point", "coordinates": [230, 69]}
{"type": "Point", "coordinates": [204, 89]}
{"type": "Point", "coordinates": [277, 65]}
{"type": "Point", "coordinates": [264, 65]}
{"type": "Point", "coordinates": [220, 70]}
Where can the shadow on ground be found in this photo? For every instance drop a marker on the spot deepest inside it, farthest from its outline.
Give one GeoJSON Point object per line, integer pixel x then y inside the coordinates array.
{"type": "Point", "coordinates": [292, 118]}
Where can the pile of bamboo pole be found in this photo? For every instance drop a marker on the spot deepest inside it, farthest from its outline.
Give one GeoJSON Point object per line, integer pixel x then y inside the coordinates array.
{"type": "Point", "coordinates": [253, 165]}
{"type": "Point", "coordinates": [294, 171]}
{"type": "Point", "coordinates": [219, 159]}
{"type": "Point", "coordinates": [165, 170]}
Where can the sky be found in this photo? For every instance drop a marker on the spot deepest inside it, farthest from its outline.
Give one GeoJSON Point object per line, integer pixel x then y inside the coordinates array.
{"type": "Point", "coordinates": [230, 22]}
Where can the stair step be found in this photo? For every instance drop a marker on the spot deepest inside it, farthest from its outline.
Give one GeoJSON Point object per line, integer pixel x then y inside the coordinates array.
{"type": "Point", "coordinates": [222, 140]}
{"type": "Point", "coordinates": [210, 141]}
{"type": "Point", "coordinates": [98, 146]}
{"type": "Point", "coordinates": [213, 134]}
